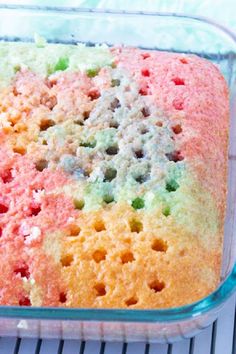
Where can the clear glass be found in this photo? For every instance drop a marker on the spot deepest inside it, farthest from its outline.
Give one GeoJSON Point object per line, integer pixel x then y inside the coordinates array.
{"type": "Point", "coordinates": [169, 32]}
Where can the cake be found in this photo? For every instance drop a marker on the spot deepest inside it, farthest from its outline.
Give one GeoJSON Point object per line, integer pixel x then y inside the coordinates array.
{"type": "Point", "coordinates": [113, 176]}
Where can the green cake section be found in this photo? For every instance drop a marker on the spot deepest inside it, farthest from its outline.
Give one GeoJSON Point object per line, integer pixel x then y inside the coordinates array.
{"type": "Point", "coordinates": [44, 59]}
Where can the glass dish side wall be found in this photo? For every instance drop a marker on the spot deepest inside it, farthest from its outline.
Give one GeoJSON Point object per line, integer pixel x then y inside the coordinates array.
{"type": "Point", "coordinates": [152, 31]}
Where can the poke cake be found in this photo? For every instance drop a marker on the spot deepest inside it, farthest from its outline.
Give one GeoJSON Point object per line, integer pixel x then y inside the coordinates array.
{"type": "Point", "coordinates": [113, 176]}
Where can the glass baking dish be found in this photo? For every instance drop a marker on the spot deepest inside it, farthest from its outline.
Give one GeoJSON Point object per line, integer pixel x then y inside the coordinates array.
{"type": "Point", "coordinates": [161, 31]}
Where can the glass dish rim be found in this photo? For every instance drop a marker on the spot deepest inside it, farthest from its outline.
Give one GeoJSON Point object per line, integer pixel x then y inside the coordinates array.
{"type": "Point", "coordinates": [105, 11]}
{"type": "Point", "coordinates": [193, 310]}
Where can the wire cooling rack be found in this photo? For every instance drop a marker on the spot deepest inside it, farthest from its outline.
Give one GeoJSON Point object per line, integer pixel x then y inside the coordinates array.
{"type": "Point", "coordinates": [219, 338]}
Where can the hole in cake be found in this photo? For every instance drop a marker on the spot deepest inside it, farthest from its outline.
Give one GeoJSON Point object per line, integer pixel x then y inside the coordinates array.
{"type": "Point", "coordinates": [177, 129]}
{"type": "Point", "coordinates": [52, 82]}
{"type": "Point", "coordinates": [23, 270]}
{"type": "Point", "coordinates": [78, 204]}
{"type": "Point", "coordinates": [99, 226]}
{"type": "Point", "coordinates": [166, 211]}
{"type": "Point", "coordinates": [114, 124]}
{"type": "Point", "coordinates": [108, 198]}
{"type": "Point", "coordinates": [20, 127]}
{"type": "Point", "coordinates": [159, 123]}
{"type": "Point", "coordinates": [115, 104]}
{"type": "Point", "coordinates": [7, 176]}
{"type": "Point", "coordinates": [19, 150]}
{"type": "Point", "coordinates": [78, 122]}
{"type": "Point", "coordinates": [145, 55]}
{"type": "Point", "coordinates": [15, 92]}
{"type": "Point", "coordinates": [100, 289]}
{"type": "Point", "coordinates": [112, 150]}
{"type": "Point", "coordinates": [92, 72]}
{"type": "Point", "coordinates": [87, 172]}
{"type": "Point", "coordinates": [35, 210]}
{"type": "Point", "coordinates": [135, 226]}
{"type": "Point", "coordinates": [172, 185]}
{"type": "Point", "coordinates": [127, 257]}
{"type": "Point", "coordinates": [24, 301]}
{"type": "Point", "coordinates": [67, 260]}
{"type": "Point", "coordinates": [183, 60]}
{"type": "Point", "coordinates": [40, 165]}
{"type": "Point", "coordinates": [3, 208]}
{"type": "Point", "coordinates": [139, 154]}
{"type": "Point", "coordinates": [141, 178]}
{"type": "Point", "coordinates": [131, 301]}
{"type": "Point", "coordinates": [110, 174]}
{"type": "Point", "coordinates": [46, 123]}
{"type": "Point", "coordinates": [145, 72]}
{"type": "Point", "coordinates": [94, 94]}
{"type": "Point", "coordinates": [99, 255]}
{"type": "Point", "coordinates": [74, 230]}
{"type": "Point", "coordinates": [182, 253]}
{"type": "Point", "coordinates": [178, 81]}
{"type": "Point", "coordinates": [127, 240]}
{"type": "Point", "coordinates": [86, 115]}
{"type": "Point", "coordinates": [156, 285]}
{"type": "Point", "coordinates": [145, 112]}
{"type": "Point", "coordinates": [89, 144]}
{"type": "Point", "coordinates": [174, 156]}
{"type": "Point", "coordinates": [159, 245]}
{"type": "Point", "coordinates": [16, 230]}
{"type": "Point", "coordinates": [62, 297]}
{"type": "Point", "coordinates": [143, 91]}
{"type": "Point", "coordinates": [44, 142]}
{"type": "Point", "coordinates": [178, 104]}
{"type": "Point", "coordinates": [138, 203]}
{"type": "Point", "coordinates": [144, 131]}
{"type": "Point", "coordinates": [115, 82]}
{"type": "Point", "coordinates": [50, 102]}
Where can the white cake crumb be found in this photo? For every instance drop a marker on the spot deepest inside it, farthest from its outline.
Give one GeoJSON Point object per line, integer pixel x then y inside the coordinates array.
{"type": "Point", "coordinates": [25, 280]}
{"type": "Point", "coordinates": [24, 228]}
{"type": "Point", "coordinates": [32, 281]}
{"type": "Point", "coordinates": [70, 219]}
{"type": "Point", "coordinates": [38, 194]}
{"type": "Point", "coordinates": [22, 324]}
{"type": "Point", "coordinates": [35, 232]}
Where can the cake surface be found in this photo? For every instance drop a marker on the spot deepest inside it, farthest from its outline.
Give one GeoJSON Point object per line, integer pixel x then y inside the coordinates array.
{"type": "Point", "coordinates": [113, 172]}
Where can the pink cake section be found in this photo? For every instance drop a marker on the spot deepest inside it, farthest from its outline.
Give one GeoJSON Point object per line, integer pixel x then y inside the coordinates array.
{"type": "Point", "coordinates": [190, 90]}
{"type": "Point", "coordinates": [20, 213]}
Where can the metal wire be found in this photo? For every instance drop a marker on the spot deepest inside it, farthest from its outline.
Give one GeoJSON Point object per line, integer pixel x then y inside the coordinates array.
{"type": "Point", "coordinates": [170, 347]}
{"type": "Point", "coordinates": [124, 349]}
{"type": "Point", "coordinates": [82, 347]}
{"type": "Point", "coordinates": [102, 349]}
{"type": "Point", "coordinates": [147, 348]}
{"type": "Point", "coordinates": [213, 337]}
{"type": "Point", "coordinates": [191, 346]}
{"type": "Point", "coordinates": [234, 339]}
{"type": "Point", "coordinates": [60, 347]}
{"type": "Point", "coordinates": [17, 346]}
{"type": "Point", "coordinates": [38, 346]}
